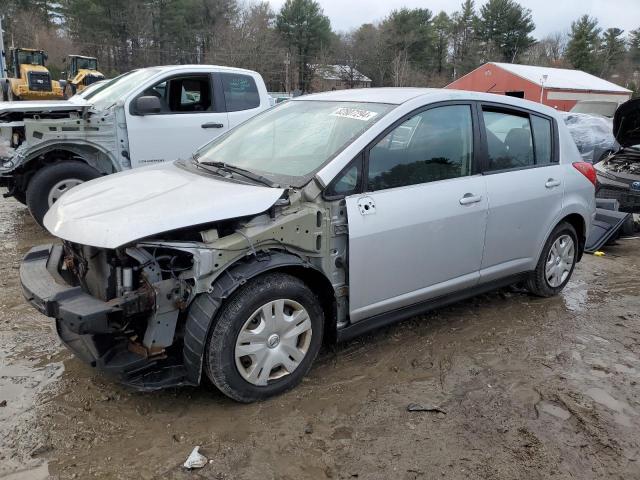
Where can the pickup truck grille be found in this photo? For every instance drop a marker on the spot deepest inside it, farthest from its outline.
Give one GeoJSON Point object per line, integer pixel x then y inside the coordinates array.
{"type": "Point", "coordinates": [39, 81]}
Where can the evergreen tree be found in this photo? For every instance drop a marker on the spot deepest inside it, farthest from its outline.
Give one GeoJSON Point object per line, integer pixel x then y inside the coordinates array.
{"type": "Point", "coordinates": [442, 29]}
{"type": "Point", "coordinates": [582, 49]}
{"type": "Point", "coordinates": [306, 31]}
{"type": "Point", "coordinates": [612, 51]}
{"type": "Point", "coordinates": [465, 52]}
{"type": "Point", "coordinates": [505, 27]}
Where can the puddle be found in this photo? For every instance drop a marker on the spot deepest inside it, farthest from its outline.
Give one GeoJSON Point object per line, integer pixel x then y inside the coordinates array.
{"type": "Point", "coordinates": [553, 410]}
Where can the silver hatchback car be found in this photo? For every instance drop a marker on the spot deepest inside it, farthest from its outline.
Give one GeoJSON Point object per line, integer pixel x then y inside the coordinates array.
{"type": "Point", "coordinates": [317, 220]}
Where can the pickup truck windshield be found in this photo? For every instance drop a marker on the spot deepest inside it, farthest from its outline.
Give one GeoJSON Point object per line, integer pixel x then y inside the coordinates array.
{"type": "Point", "coordinates": [291, 141]}
{"type": "Point", "coordinates": [115, 89]}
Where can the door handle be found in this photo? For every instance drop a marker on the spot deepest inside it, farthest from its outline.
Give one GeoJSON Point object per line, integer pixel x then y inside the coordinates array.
{"type": "Point", "coordinates": [552, 182]}
{"type": "Point", "coordinates": [470, 198]}
{"type": "Point", "coordinates": [212, 125]}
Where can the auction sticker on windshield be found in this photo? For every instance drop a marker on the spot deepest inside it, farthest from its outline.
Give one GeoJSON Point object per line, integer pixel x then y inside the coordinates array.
{"type": "Point", "coordinates": [354, 113]}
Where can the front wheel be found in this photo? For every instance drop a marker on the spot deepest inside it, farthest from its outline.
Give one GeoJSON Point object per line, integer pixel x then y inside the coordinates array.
{"type": "Point", "coordinates": [51, 182]}
{"type": "Point", "coordinates": [556, 263]}
{"type": "Point", "coordinates": [265, 338]}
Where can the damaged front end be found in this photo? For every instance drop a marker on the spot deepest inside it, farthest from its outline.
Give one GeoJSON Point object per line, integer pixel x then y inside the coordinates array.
{"type": "Point", "coordinates": [619, 179]}
{"type": "Point", "coordinates": [115, 309]}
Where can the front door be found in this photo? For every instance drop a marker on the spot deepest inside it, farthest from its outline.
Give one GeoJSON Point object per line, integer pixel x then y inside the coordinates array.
{"type": "Point", "coordinates": [189, 118]}
{"type": "Point", "coordinates": [418, 231]}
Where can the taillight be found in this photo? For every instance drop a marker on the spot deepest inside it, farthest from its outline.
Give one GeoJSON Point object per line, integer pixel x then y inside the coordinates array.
{"type": "Point", "coordinates": [587, 170]}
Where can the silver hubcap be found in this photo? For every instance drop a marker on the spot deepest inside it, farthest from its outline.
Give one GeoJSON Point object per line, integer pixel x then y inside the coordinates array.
{"type": "Point", "coordinates": [559, 261]}
{"type": "Point", "coordinates": [273, 342]}
{"type": "Point", "coordinates": [61, 187]}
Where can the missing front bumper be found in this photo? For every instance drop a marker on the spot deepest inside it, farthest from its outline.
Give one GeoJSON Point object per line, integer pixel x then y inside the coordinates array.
{"type": "Point", "coordinates": [91, 328]}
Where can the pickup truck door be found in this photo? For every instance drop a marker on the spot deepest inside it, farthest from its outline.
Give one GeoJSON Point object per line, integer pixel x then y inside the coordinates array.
{"type": "Point", "coordinates": [193, 113]}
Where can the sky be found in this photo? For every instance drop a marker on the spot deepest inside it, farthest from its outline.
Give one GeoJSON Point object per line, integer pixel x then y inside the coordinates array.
{"type": "Point", "coordinates": [549, 15]}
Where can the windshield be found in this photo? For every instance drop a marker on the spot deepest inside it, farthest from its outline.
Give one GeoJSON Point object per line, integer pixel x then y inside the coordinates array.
{"type": "Point", "coordinates": [87, 63]}
{"type": "Point", "coordinates": [115, 89]}
{"type": "Point", "coordinates": [30, 58]}
{"type": "Point", "coordinates": [291, 141]}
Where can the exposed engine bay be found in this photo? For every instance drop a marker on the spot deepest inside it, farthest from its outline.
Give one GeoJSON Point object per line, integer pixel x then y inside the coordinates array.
{"type": "Point", "coordinates": [626, 161]}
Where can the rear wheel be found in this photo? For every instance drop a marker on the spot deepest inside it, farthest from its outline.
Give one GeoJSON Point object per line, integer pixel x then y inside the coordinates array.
{"type": "Point", "coordinates": [265, 338]}
{"type": "Point", "coordinates": [10, 96]}
{"type": "Point", "coordinates": [69, 91]}
{"type": "Point", "coordinates": [556, 263]}
{"type": "Point", "coordinates": [52, 181]}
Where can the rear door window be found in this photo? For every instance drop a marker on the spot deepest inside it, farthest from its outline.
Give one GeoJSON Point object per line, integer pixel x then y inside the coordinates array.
{"type": "Point", "coordinates": [240, 92]}
{"type": "Point", "coordinates": [509, 140]}
{"type": "Point", "coordinates": [542, 135]}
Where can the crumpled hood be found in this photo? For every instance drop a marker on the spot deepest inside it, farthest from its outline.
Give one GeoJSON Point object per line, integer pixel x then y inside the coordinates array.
{"type": "Point", "coordinates": [42, 106]}
{"type": "Point", "coordinates": [117, 209]}
{"type": "Point", "coordinates": [626, 123]}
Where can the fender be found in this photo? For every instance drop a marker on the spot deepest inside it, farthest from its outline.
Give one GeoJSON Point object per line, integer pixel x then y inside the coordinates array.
{"type": "Point", "coordinates": [202, 311]}
{"type": "Point", "coordinates": [92, 153]}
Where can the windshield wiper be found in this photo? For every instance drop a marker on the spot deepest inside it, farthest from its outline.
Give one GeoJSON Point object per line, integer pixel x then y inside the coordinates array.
{"type": "Point", "coordinates": [241, 171]}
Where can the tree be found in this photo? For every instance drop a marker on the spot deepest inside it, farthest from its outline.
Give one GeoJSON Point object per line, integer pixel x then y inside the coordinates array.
{"type": "Point", "coordinates": [441, 29]}
{"type": "Point", "coordinates": [634, 47]}
{"type": "Point", "coordinates": [612, 50]}
{"type": "Point", "coordinates": [505, 27]}
{"type": "Point", "coordinates": [463, 35]}
{"type": "Point", "coordinates": [305, 30]}
{"type": "Point", "coordinates": [582, 49]}
{"type": "Point", "coordinates": [374, 57]}
{"type": "Point", "coordinates": [409, 33]}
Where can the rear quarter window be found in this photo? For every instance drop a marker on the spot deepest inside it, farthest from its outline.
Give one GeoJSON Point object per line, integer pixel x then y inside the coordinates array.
{"type": "Point", "coordinates": [240, 92]}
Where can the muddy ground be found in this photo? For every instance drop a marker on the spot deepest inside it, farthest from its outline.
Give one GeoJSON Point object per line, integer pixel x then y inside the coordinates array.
{"type": "Point", "coordinates": [532, 388]}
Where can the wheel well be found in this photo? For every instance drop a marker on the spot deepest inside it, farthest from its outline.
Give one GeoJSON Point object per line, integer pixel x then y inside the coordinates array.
{"type": "Point", "coordinates": [321, 286]}
{"type": "Point", "coordinates": [577, 222]}
{"type": "Point", "coordinates": [45, 159]}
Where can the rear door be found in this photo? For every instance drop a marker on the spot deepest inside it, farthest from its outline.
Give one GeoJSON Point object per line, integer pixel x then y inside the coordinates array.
{"type": "Point", "coordinates": [525, 186]}
{"type": "Point", "coordinates": [192, 115]}
{"type": "Point", "coordinates": [418, 230]}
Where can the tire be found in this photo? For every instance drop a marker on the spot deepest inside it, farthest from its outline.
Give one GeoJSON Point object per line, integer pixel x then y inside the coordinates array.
{"type": "Point", "coordinates": [628, 227]}
{"type": "Point", "coordinates": [20, 196]}
{"type": "Point", "coordinates": [10, 96]}
{"type": "Point", "coordinates": [57, 176]}
{"type": "Point", "coordinates": [69, 91]}
{"type": "Point", "coordinates": [540, 283]}
{"type": "Point", "coordinates": [231, 372]}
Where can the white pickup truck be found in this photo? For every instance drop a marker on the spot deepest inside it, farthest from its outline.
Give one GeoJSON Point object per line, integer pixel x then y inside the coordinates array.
{"type": "Point", "coordinates": [142, 117]}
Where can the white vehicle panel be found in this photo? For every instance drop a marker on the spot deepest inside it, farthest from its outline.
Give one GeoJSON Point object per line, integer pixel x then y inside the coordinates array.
{"type": "Point", "coordinates": [164, 137]}
{"type": "Point", "coordinates": [115, 210]}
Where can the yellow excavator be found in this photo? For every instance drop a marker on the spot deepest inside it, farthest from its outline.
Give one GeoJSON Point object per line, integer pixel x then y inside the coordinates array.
{"type": "Point", "coordinates": [30, 79]}
{"type": "Point", "coordinates": [83, 71]}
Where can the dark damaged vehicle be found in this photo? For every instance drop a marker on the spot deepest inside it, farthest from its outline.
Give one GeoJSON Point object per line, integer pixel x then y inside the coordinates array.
{"type": "Point", "coordinates": [317, 220]}
{"type": "Point", "coordinates": [619, 174]}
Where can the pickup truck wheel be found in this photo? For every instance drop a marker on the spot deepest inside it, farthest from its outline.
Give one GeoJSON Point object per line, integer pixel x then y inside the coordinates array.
{"type": "Point", "coordinates": [50, 182]}
{"type": "Point", "coordinates": [556, 263]}
{"type": "Point", "coordinates": [265, 338]}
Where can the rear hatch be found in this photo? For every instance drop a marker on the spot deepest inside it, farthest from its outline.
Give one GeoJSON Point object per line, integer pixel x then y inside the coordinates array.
{"type": "Point", "coordinates": [626, 123]}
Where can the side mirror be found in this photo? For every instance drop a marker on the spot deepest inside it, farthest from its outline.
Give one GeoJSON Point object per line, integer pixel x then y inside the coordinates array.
{"type": "Point", "coordinates": [147, 105]}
